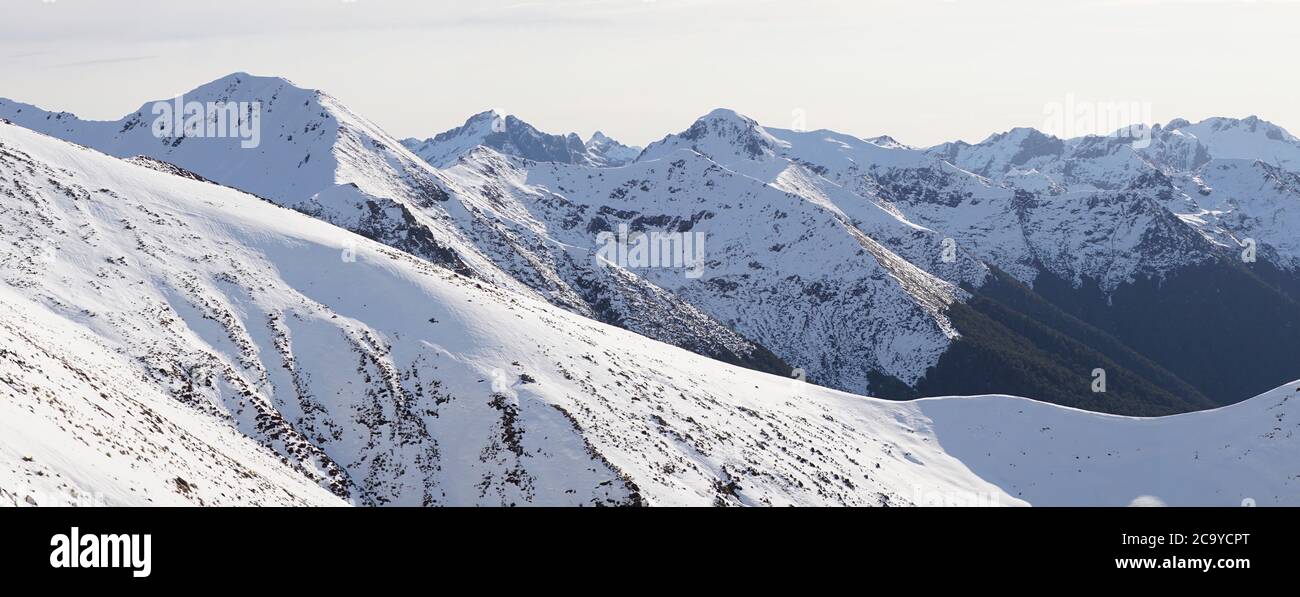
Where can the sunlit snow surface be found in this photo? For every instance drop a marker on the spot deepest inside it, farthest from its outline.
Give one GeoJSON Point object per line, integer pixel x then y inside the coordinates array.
{"type": "Point", "coordinates": [172, 341]}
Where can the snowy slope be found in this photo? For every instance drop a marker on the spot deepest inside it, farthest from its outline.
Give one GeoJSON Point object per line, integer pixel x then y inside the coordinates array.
{"type": "Point", "coordinates": [80, 426]}
{"type": "Point", "coordinates": [390, 381]}
{"type": "Point", "coordinates": [246, 312]}
{"type": "Point", "coordinates": [318, 157]}
{"type": "Point", "coordinates": [1241, 200]}
{"type": "Point", "coordinates": [1061, 456]}
{"type": "Point", "coordinates": [789, 271]}
{"type": "Point", "coordinates": [385, 379]}
{"type": "Point", "coordinates": [869, 287]}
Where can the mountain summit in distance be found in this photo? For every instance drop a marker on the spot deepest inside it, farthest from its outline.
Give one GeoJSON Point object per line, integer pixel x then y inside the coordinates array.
{"type": "Point", "coordinates": [508, 134]}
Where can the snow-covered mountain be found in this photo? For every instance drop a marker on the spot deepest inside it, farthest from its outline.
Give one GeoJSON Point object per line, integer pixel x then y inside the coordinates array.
{"type": "Point", "coordinates": [1103, 230]}
{"type": "Point", "coordinates": [512, 136]}
{"type": "Point", "coordinates": [760, 239]}
{"type": "Point", "coordinates": [1160, 171]}
{"type": "Point", "coordinates": [860, 299]}
{"type": "Point", "coordinates": [1240, 200]}
{"type": "Point", "coordinates": [1247, 138]}
{"type": "Point", "coordinates": [989, 198]}
{"type": "Point", "coordinates": [608, 152]}
{"type": "Point", "coordinates": [1089, 212]}
{"type": "Point", "coordinates": [318, 157]}
{"type": "Point", "coordinates": [313, 155]}
{"type": "Point", "coordinates": [864, 309]}
{"type": "Point", "coordinates": [169, 340]}
{"type": "Point", "coordinates": [872, 266]}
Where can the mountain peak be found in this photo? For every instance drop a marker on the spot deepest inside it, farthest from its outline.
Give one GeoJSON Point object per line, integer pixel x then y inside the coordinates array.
{"type": "Point", "coordinates": [1251, 124]}
{"type": "Point", "coordinates": [1244, 138]}
{"type": "Point", "coordinates": [727, 119]}
{"type": "Point", "coordinates": [721, 134]}
{"type": "Point", "coordinates": [243, 76]}
{"type": "Point", "coordinates": [727, 114]}
{"type": "Point", "coordinates": [510, 135]}
{"type": "Point", "coordinates": [241, 83]}
{"type": "Point", "coordinates": [606, 151]}
{"type": "Point", "coordinates": [1018, 134]}
{"type": "Point", "coordinates": [489, 115]}
{"type": "Point", "coordinates": [887, 142]}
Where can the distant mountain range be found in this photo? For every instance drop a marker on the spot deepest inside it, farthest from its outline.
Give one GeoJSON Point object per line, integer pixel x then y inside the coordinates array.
{"type": "Point", "coordinates": [507, 134]}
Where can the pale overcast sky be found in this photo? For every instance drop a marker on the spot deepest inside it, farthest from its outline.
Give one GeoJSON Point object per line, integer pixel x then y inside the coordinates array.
{"type": "Point", "coordinates": [923, 71]}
